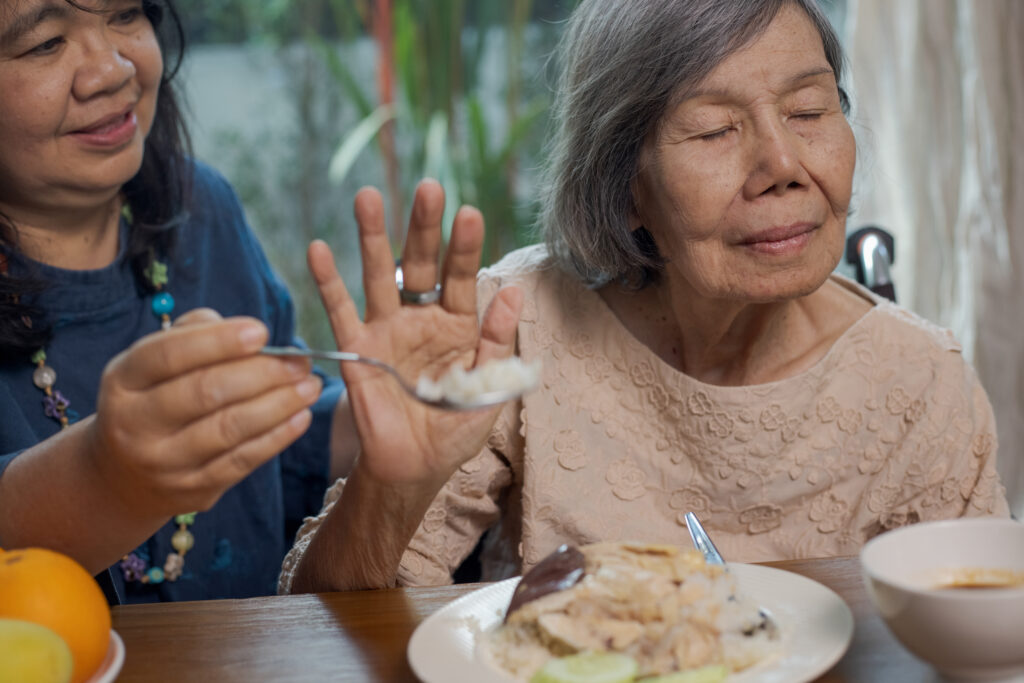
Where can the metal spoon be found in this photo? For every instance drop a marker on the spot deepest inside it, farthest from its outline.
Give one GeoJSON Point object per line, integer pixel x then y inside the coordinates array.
{"type": "Point", "coordinates": [702, 542]}
{"type": "Point", "coordinates": [482, 400]}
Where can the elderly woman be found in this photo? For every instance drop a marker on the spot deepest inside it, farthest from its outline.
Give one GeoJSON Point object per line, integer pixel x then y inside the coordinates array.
{"type": "Point", "coordinates": [698, 353]}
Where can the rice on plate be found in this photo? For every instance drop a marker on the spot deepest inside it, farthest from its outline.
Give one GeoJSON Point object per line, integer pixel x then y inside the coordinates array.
{"type": "Point", "coordinates": [663, 607]}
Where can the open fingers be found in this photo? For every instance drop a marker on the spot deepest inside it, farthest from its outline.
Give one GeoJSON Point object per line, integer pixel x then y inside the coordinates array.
{"type": "Point", "coordinates": [423, 242]}
{"type": "Point", "coordinates": [462, 261]}
{"type": "Point", "coordinates": [338, 303]}
{"type": "Point", "coordinates": [375, 248]}
{"type": "Point", "coordinates": [171, 353]}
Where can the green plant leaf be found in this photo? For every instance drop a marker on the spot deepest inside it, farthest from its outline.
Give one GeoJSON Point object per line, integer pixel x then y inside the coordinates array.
{"type": "Point", "coordinates": [437, 164]}
{"type": "Point", "coordinates": [341, 74]}
{"type": "Point", "coordinates": [356, 141]}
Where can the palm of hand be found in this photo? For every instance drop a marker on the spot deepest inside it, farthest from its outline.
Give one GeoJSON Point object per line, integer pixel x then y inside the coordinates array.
{"type": "Point", "coordinates": [408, 440]}
{"type": "Point", "coordinates": [401, 439]}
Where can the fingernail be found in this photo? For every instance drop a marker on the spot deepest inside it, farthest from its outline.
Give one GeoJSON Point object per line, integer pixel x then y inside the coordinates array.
{"type": "Point", "coordinates": [251, 336]}
{"type": "Point", "coordinates": [308, 388]}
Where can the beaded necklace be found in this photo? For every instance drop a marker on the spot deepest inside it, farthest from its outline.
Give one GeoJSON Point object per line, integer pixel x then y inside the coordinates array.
{"type": "Point", "coordinates": [56, 406]}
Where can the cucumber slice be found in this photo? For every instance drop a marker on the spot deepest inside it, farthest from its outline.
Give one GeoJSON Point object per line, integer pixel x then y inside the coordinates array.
{"type": "Point", "coordinates": [705, 674]}
{"type": "Point", "coordinates": [588, 667]}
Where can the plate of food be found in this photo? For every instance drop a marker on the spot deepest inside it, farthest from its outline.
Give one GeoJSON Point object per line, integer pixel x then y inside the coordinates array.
{"type": "Point", "coordinates": [656, 610]}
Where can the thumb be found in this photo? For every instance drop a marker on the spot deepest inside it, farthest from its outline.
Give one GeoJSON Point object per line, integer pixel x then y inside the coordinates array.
{"type": "Point", "coordinates": [197, 316]}
{"type": "Point", "coordinates": [499, 324]}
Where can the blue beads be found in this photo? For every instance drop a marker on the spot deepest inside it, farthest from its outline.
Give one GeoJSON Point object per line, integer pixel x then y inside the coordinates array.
{"type": "Point", "coordinates": [155, 575]}
{"type": "Point", "coordinates": [163, 303]}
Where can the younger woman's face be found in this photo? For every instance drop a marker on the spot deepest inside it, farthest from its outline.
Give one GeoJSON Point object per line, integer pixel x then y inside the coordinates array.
{"type": "Point", "coordinates": [79, 91]}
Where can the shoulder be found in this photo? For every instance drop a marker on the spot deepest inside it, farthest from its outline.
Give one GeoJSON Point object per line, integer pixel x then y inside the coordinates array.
{"type": "Point", "coordinates": [517, 266]}
{"type": "Point", "coordinates": [532, 269]}
{"type": "Point", "coordinates": [894, 325]}
{"type": "Point", "coordinates": [889, 322]}
{"type": "Point", "coordinates": [210, 186]}
{"type": "Point", "coordinates": [216, 218]}
{"type": "Point", "coordinates": [550, 293]}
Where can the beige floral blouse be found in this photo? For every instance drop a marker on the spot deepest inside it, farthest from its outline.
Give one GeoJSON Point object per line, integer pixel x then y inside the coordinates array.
{"type": "Point", "coordinates": [891, 427]}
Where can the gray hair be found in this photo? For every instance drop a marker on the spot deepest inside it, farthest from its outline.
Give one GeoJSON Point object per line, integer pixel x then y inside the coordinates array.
{"type": "Point", "coordinates": [623, 64]}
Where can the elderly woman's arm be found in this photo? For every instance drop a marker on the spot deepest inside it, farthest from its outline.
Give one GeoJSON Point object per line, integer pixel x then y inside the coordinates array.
{"type": "Point", "coordinates": [466, 507]}
{"type": "Point", "coordinates": [983, 489]}
{"type": "Point", "coordinates": [408, 450]}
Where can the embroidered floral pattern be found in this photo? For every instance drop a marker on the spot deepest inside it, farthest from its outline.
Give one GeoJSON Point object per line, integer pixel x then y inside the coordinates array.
{"type": "Point", "coordinates": [829, 512]}
{"type": "Point", "coordinates": [571, 452]}
{"type": "Point", "coordinates": [828, 409]}
{"type": "Point", "coordinates": [883, 497]}
{"type": "Point", "coordinates": [580, 345]}
{"type": "Point", "coordinates": [657, 397]}
{"type": "Point", "coordinates": [642, 374]}
{"type": "Point", "coordinates": [791, 430]}
{"type": "Point", "coordinates": [897, 400]}
{"type": "Point", "coordinates": [434, 519]}
{"type": "Point", "coordinates": [773, 417]}
{"type": "Point", "coordinates": [720, 425]}
{"type": "Point", "coordinates": [915, 411]}
{"type": "Point", "coordinates": [690, 499]}
{"type": "Point", "coordinates": [698, 403]}
{"type": "Point", "coordinates": [888, 429]}
{"type": "Point", "coordinates": [598, 368]}
{"type": "Point", "coordinates": [850, 421]}
{"type": "Point", "coordinates": [471, 466]}
{"type": "Point", "coordinates": [871, 460]}
{"type": "Point", "coordinates": [761, 518]}
{"type": "Point", "coordinates": [982, 445]}
{"type": "Point", "coordinates": [627, 479]}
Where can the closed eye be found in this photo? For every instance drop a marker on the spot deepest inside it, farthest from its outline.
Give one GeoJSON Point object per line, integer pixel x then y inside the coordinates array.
{"type": "Point", "coordinates": [715, 134]}
{"type": "Point", "coordinates": [128, 16]}
{"type": "Point", "coordinates": [46, 47]}
{"type": "Point", "coordinates": [808, 115]}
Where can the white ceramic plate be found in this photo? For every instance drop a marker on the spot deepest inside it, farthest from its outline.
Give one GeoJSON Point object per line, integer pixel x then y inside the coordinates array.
{"type": "Point", "coordinates": [816, 625]}
{"type": "Point", "coordinates": [112, 663]}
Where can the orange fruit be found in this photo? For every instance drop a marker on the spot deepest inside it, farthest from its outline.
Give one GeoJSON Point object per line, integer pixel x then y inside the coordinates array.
{"type": "Point", "coordinates": [51, 589]}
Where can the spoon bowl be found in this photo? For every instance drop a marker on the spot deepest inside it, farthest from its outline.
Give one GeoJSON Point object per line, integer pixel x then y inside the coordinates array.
{"type": "Point", "coordinates": [445, 401]}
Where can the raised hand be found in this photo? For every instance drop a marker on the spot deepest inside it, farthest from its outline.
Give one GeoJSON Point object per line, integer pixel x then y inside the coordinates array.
{"type": "Point", "coordinates": [185, 414]}
{"type": "Point", "coordinates": [403, 441]}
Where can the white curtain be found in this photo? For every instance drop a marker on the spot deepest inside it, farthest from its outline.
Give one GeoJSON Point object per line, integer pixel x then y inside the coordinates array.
{"type": "Point", "coordinates": [938, 92]}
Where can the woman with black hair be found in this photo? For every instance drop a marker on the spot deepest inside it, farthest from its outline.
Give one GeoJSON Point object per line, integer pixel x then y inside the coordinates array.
{"type": "Point", "coordinates": [129, 441]}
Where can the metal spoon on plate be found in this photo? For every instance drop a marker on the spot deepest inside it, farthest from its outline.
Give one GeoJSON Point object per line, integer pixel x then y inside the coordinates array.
{"type": "Point", "coordinates": [702, 542]}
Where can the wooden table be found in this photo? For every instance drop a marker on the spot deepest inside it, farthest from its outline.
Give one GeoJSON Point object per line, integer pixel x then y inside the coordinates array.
{"type": "Point", "coordinates": [362, 636]}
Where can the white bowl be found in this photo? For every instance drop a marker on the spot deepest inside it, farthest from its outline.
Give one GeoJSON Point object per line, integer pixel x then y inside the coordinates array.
{"type": "Point", "coordinates": [969, 634]}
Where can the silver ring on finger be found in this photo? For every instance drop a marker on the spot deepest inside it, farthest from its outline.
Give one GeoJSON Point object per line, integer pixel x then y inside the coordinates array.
{"type": "Point", "coordinates": [415, 298]}
{"type": "Point", "coordinates": [420, 298]}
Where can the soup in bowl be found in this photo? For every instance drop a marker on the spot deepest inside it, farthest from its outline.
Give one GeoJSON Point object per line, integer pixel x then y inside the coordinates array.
{"type": "Point", "coordinates": [952, 593]}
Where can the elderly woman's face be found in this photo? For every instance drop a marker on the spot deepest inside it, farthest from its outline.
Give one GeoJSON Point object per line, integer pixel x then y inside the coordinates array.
{"type": "Point", "coordinates": [79, 97]}
{"type": "Point", "coordinates": [746, 185]}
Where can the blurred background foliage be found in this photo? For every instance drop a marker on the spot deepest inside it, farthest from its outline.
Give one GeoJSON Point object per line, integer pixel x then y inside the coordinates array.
{"type": "Point", "coordinates": [301, 102]}
{"type": "Point", "coordinates": [370, 92]}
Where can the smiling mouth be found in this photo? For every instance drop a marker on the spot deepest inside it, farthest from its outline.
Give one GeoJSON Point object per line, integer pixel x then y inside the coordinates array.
{"type": "Point", "coordinates": [780, 234]}
{"type": "Point", "coordinates": [781, 241]}
{"type": "Point", "coordinates": [106, 126]}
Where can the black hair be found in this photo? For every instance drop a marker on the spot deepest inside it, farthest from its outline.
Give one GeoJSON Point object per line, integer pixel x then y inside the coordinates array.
{"type": "Point", "coordinates": [157, 197]}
